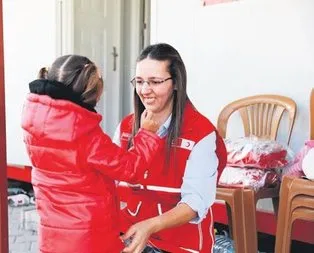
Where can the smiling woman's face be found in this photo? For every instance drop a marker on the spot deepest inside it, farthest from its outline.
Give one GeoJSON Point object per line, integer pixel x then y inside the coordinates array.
{"type": "Point", "coordinates": [157, 96]}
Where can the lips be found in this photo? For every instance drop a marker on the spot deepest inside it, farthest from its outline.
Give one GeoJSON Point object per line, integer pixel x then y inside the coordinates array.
{"type": "Point", "coordinates": [149, 100]}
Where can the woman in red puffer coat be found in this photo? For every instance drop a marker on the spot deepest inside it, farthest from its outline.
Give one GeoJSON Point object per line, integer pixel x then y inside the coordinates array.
{"type": "Point", "coordinates": [75, 164]}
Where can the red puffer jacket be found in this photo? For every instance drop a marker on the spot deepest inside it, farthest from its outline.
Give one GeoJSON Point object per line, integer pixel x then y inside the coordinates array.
{"type": "Point", "coordinates": [74, 168]}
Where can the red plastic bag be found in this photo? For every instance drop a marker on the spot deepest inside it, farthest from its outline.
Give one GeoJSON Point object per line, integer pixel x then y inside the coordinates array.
{"type": "Point", "coordinates": [257, 153]}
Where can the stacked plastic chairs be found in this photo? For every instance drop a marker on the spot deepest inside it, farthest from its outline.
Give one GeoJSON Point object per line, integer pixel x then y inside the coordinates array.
{"type": "Point", "coordinates": [296, 202]}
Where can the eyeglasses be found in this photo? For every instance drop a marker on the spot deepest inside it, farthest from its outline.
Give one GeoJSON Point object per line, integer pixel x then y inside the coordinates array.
{"type": "Point", "coordinates": [139, 83]}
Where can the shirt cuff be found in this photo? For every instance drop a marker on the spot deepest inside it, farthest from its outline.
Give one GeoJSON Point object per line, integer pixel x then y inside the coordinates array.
{"type": "Point", "coordinates": [197, 205]}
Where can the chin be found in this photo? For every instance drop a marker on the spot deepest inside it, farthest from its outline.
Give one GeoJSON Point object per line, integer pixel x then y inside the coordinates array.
{"type": "Point", "coordinates": [150, 107]}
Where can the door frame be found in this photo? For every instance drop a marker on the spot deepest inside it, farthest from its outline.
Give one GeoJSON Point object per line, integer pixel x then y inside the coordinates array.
{"type": "Point", "coordinates": [3, 163]}
{"type": "Point", "coordinates": [129, 42]}
{"type": "Point", "coordinates": [65, 27]}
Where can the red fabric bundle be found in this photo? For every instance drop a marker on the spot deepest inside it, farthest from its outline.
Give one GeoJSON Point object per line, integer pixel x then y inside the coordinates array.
{"type": "Point", "coordinates": [253, 152]}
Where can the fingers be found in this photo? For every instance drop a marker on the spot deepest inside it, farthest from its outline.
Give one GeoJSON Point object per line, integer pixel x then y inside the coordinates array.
{"type": "Point", "coordinates": [139, 248]}
{"type": "Point", "coordinates": [149, 115]}
{"type": "Point", "coordinates": [139, 234]}
{"type": "Point", "coordinates": [136, 246]}
{"type": "Point", "coordinates": [148, 122]}
{"type": "Point", "coordinates": [132, 246]}
{"type": "Point", "coordinates": [133, 240]}
{"type": "Point", "coordinates": [143, 115]}
{"type": "Point", "coordinates": [128, 234]}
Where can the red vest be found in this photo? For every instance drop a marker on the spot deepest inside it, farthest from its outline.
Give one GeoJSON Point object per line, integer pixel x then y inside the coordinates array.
{"type": "Point", "coordinates": [160, 190]}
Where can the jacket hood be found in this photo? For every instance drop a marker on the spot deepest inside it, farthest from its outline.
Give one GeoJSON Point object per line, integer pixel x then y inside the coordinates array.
{"type": "Point", "coordinates": [57, 119]}
{"type": "Point", "coordinates": [58, 90]}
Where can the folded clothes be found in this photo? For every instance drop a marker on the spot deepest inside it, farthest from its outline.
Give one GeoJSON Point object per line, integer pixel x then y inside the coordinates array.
{"type": "Point", "coordinates": [248, 178]}
{"type": "Point", "coordinates": [257, 153]}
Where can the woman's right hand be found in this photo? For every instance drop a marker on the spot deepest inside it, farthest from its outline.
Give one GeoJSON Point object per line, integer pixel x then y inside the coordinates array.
{"type": "Point", "coordinates": [138, 234]}
{"type": "Point", "coordinates": [148, 122]}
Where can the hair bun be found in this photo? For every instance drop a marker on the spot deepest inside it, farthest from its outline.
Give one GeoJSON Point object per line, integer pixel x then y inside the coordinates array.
{"type": "Point", "coordinates": [43, 73]}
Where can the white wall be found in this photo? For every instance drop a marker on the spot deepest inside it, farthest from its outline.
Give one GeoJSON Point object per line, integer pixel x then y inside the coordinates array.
{"type": "Point", "coordinates": [29, 44]}
{"type": "Point", "coordinates": [243, 48]}
{"type": "Point", "coordinates": [231, 50]}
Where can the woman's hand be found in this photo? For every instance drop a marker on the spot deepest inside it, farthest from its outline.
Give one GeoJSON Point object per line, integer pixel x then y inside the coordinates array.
{"type": "Point", "coordinates": [139, 233]}
{"type": "Point", "coordinates": [148, 122]}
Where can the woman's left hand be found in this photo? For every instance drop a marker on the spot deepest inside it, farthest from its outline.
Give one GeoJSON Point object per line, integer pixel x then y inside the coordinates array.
{"type": "Point", "coordinates": [139, 233]}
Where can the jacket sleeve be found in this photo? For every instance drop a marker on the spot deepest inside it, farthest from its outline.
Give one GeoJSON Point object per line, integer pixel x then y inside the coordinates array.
{"type": "Point", "coordinates": [120, 164]}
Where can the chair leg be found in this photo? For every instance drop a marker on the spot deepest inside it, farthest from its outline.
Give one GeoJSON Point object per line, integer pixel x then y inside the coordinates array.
{"type": "Point", "coordinates": [275, 201]}
{"type": "Point", "coordinates": [235, 216]}
{"type": "Point", "coordinates": [281, 231]}
{"type": "Point", "coordinates": [237, 227]}
{"type": "Point", "coordinates": [283, 216]}
{"type": "Point", "coordinates": [286, 240]}
{"type": "Point", "coordinates": [230, 224]}
{"type": "Point", "coordinates": [249, 211]}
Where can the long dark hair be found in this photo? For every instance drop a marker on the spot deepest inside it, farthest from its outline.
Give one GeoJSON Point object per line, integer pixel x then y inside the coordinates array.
{"type": "Point", "coordinates": [176, 68]}
{"type": "Point", "coordinates": [78, 73]}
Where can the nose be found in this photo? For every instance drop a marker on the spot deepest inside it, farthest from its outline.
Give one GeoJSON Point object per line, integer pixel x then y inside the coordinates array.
{"type": "Point", "coordinates": [145, 88]}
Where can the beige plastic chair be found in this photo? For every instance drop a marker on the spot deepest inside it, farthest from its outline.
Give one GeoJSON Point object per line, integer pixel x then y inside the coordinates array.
{"type": "Point", "coordinates": [261, 116]}
{"type": "Point", "coordinates": [296, 202]}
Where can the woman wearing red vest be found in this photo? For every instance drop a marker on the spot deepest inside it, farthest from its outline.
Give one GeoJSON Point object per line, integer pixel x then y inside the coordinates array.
{"type": "Point", "coordinates": [171, 209]}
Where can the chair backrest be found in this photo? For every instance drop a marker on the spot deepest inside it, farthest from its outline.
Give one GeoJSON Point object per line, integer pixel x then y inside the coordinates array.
{"type": "Point", "coordinates": [312, 115]}
{"type": "Point", "coordinates": [260, 115]}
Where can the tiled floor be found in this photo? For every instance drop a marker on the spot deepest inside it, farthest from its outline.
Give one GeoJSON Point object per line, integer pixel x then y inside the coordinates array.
{"type": "Point", "coordinates": [21, 240]}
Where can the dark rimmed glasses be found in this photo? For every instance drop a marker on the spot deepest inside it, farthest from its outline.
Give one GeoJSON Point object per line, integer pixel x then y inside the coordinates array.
{"type": "Point", "coordinates": [139, 83]}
